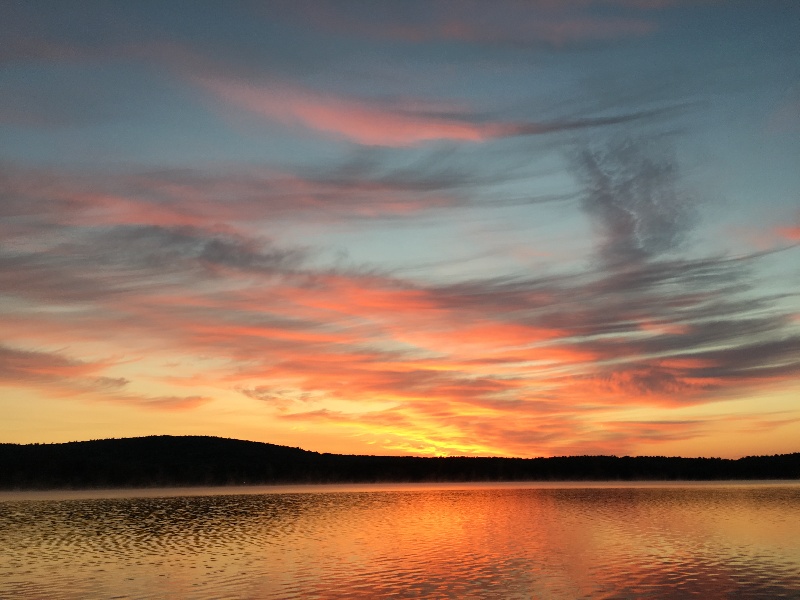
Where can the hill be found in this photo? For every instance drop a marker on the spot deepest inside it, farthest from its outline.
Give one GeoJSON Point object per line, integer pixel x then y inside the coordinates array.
{"type": "Point", "coordinates": [199, 460]}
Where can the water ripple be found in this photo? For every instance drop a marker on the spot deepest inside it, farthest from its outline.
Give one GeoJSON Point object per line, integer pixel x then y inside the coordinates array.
{"type": "Point", "coordinates": [710, 541]}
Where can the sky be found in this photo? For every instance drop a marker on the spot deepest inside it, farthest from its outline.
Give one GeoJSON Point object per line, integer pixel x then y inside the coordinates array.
{"type": "Point", "coordinates": [520, 228]}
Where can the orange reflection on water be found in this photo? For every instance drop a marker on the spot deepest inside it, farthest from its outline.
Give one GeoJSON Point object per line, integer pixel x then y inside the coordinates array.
{"type": "Point", "coordinates": [557, 541]}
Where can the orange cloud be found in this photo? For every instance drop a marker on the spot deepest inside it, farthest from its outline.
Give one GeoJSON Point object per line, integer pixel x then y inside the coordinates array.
{"type": "Point", "coordinates": [63, 376]}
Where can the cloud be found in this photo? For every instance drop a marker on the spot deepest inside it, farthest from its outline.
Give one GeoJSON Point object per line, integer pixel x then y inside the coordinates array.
{"type": "Point", "coordinates": [517, 23]}
{"type": "Point", "coordinates": [789, 233]}
{"type": "Point", "coordinates": [241, 78]}
{"type": "Point", "coordinates": [63, 376]}
{"type": "Point", "coordinates": [226, 200]}
{"type": "Point", "coordinates": [517, 363]}
{"type": "Point", "coordinates": [634, 200]}
{"type": "Point", "coordinates": [170, 403]}
{"type": "Point", "coordinates": [136, 260]}
{"type": "Point", "coordinates": [31, 365]}
{"type": "Point", "coordinates": [354, 120]}
{"type": "Point", "coordinates": [173, 249]}
{"type": "Point", "coordinates": [395, 123]}
{"type": "Point", "coordinates": [281, 399]}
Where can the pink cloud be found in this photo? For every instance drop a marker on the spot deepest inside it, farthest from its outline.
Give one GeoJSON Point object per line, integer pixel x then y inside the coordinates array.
{"type": "Point", "coordinates": [17, 364]}
{"type": "Point", "coordinates": [398, 123]}
{"type": "Point", "coordinates": [227, 201]}
{"type": "Point", "coordinates": [351, 119]}
{"type": "Point", "coordinates": [789, 233]}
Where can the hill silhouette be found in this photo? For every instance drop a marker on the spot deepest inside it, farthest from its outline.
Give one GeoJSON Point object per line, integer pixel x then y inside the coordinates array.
{"type": "Point", "coordinates": [210, 461]}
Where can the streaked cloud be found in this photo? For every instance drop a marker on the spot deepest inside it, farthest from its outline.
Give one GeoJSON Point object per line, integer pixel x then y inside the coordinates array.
{"type": "Point", "coordinates": [398, 123]}
{"type": "Point", "coordinates": [63, 376]}
{"type": "Point", "coordinates": [449, 21]}
{"type": "Point", "coordinates": [463, 366]}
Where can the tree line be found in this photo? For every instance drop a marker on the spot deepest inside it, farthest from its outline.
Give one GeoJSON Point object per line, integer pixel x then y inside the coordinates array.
{"type": "Point", "coordinates": [158, 461]}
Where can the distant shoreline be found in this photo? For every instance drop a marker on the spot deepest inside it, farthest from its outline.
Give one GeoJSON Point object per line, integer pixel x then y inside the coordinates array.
{"type": "Point", "coordinates": [357, 488]}
{"type": "Point", "coordinates": [209, 462]}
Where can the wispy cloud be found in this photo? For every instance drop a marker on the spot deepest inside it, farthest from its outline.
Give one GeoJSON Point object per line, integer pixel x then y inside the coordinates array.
{"type": "Point", "coordinates": [633, 198]}
{"type": "Point", "coordinates": [789, 233]}
{"type": "Point", "coordinates": [31, 365]}
{"type": "Point", "coordinates": [515, 363]}
{"type": "Point", "coordinates": [63, 376]}
{"type": "Point", "coordinates": [509, 22]}
{"type": "Point", "coordinates": [387, 123]}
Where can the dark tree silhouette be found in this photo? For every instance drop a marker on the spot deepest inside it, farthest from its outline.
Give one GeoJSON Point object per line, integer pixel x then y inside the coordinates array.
{"type": "Point", "coordinates": [211, 461]}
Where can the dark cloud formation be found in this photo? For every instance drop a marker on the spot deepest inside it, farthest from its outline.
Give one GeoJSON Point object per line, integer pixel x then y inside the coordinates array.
{"type": "Point", "coordinates": [181, 249]}
{"type": "Point", "coordinates": [632, 195]}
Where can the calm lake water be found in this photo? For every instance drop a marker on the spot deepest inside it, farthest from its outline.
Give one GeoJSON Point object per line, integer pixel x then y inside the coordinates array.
{"type": "Point", "coordinates": [569, 541]}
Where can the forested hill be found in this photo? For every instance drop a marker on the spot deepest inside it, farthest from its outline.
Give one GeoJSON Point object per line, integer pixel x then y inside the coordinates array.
{"type": "Point", "coordinates": [195, 460]}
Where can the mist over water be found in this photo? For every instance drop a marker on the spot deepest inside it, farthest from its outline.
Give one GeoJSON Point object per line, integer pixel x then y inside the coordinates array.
{"type": "Point", "coordinates": [551, 542]}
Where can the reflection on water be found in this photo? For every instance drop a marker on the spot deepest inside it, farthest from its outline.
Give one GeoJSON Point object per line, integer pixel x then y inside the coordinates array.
{"type": "Point", "coordinates": [710, 541]}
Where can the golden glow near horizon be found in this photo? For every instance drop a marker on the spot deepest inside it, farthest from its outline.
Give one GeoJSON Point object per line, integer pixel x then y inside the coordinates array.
{"type": "Point", "coordinates": [403, 231]}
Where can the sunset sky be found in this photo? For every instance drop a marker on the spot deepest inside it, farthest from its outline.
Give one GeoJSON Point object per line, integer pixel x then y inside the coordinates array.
{"type": "Point", "coordinates": [527, 228]}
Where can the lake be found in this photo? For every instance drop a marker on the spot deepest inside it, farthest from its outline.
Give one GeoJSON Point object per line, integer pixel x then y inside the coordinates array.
{"type": "Point", "coordinates": [548, 541]}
